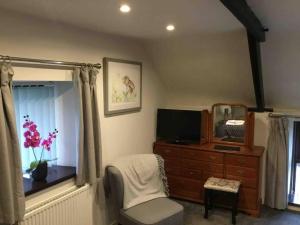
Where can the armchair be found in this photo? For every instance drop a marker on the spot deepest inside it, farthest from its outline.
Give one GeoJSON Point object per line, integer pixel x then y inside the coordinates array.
{"type": "Point", "coordinates": [159, 211]}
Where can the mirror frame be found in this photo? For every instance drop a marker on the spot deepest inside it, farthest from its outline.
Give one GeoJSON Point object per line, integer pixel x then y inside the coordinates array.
{"type": "Point", "coordinates": [246, 126]}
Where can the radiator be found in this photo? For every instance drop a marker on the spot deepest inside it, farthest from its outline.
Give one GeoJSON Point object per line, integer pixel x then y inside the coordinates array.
{"type": "Point", "coordinates": [72, 207]}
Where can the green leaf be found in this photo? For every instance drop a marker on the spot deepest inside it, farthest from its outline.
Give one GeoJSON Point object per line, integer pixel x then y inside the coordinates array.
{"type": "Point", "coordinates": [33, 165]}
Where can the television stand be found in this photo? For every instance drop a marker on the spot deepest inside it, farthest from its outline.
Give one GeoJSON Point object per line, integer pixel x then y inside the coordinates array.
{"type": "Point", "coordinates": [178, 142]}
{"type": "Point", "coordinates": [189, 166]}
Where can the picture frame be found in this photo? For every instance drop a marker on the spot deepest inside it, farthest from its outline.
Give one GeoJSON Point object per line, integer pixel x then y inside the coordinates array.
{"type": "Point", "coordinates": [122, 86]}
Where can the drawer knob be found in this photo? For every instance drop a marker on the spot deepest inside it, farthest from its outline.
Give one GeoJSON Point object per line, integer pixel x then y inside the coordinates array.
{"type": "Point", "coordinates": [212, 157]}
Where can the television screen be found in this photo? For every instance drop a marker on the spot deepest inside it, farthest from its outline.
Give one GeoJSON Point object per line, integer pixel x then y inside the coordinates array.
{"type": "Point", "coordinates": [178, 126]}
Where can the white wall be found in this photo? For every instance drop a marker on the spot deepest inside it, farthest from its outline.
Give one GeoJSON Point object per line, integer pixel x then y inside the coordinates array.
{"type": "Point", "coordinates": [280, 57]}
{"type": "Point", "coordinates": [121, 135]}
{"type": "Point", "coordinates": [29, 38]}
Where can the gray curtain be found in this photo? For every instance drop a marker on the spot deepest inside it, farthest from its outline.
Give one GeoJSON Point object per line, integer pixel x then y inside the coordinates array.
{"type": "Point", "coordinates": [276, 164]}
{"type": "Point", "coordinates": [89, 148]}
{"type": "Point", "coordinates": [12, 201]}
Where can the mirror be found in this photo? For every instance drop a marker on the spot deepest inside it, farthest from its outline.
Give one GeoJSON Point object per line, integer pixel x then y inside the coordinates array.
{"type": "Point", "coordinates": [229, 123]}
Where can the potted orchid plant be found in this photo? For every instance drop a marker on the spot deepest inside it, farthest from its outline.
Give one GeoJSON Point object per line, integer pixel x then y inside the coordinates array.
{"type": "Point", "coordinates": [33, 140]}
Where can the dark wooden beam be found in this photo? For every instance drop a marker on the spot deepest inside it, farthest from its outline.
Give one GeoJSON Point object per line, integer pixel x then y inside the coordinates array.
{"type": "Point", "coordinates": [255, 57]}
{"type": "Point", "coordinates": [241, 10]}
{"type": "Point", "coordinates": [256, 34]}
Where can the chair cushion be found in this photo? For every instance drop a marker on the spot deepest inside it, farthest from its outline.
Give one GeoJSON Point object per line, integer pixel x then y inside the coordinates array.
{"type": "Point", "coordinates": [221, 184]}
{"type": "Point", "coordinates": [160, 211]}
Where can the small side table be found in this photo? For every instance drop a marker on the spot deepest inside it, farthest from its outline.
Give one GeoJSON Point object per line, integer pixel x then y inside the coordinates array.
{"type": "Point", "coordinates": [221, 185]}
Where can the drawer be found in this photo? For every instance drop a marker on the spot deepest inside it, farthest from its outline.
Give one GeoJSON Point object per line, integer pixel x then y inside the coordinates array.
{"type": "Point", "coordinates": [191, 154]}
{"type": "Point", "coordinates": [205, 166]}
{"type": "Point", "coordinates": [213, 157]}
{"type": "Point", "coordinates": [185, 188]}
{"type": "Point", "coordinates": [247, 176]}
{"type": "Point", "coordinates": [172, 162]}
{"type": "Point", "coordinates": [203, 156]}
{"type": "Point", "coordinates": [192, 164]}
{"type": "Point", "coordinates": [167, 151]}
{"type": "Point", "coordinates": [241, 171]}
{"type": "Point", "coordinates": [213, 168]}
{"type": "Point", "coordinates": [242, 161]}
{"type": "Point", "coordinates": [248, 198]}
{"type": "Point", "coordinates": [187, 195]}
{"type": "Point", "coordinates": [245, 182]}
{"type": "Point", "coordinates": [194, 174]}
{"type": "Point", "coordinates": [173, 171]}
{"type": "Point", "coordinates": [207, 175]}
{"type": "Point", "coordinates": [178, 184]}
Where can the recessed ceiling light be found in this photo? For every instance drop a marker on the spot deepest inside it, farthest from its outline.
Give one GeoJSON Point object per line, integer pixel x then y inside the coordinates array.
{"type": "Point", "coordinates": [170, 27]}
{"type": "Point", "coordinates": [125, 8]}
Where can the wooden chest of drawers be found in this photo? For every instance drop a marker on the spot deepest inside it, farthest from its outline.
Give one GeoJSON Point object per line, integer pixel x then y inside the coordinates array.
{"type": "Point", "coordinates": [188, 167]}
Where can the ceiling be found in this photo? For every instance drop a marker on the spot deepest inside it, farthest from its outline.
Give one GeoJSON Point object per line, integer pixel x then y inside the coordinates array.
{"type": "Point", "coordinates": [147, 19]}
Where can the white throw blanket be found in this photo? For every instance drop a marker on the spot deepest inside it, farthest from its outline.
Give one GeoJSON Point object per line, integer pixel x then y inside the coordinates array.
{"type": "Point", "coordinates": [141, 178]}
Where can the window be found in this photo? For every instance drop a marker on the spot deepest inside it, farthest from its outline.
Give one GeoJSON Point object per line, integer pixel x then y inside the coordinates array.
{"type": "Point", "coordinates": [37, 102]}
{"type": "Point", "coordinates": [294, 162]}
{"type": "Point", "coordinates": [51, 105]}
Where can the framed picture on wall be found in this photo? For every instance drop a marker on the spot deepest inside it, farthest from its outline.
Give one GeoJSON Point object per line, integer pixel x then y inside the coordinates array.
{"type": "Point", "coordinates": [122, 86]}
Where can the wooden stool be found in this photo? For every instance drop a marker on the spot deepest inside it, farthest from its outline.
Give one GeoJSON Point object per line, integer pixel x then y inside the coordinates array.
{"type": "Point", "coordinates": [221, 185]}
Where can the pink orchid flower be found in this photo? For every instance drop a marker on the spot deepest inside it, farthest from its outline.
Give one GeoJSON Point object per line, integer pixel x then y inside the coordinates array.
{"type": "Point", "coordinates": [33, 138]}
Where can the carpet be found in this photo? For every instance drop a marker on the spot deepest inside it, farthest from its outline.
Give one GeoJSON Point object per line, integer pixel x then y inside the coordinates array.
{"type": "Point", "coordinates": [193, 215]}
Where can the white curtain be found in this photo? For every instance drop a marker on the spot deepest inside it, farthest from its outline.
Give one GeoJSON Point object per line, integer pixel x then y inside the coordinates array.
{"type": "Point", "coordinates": [276, 164]}
{"type": "Point", "coordinates": [39, 104]}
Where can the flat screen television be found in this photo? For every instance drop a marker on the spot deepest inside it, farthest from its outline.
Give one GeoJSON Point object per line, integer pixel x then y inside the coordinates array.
{"type": "Point", "coordinates": [178, 126]}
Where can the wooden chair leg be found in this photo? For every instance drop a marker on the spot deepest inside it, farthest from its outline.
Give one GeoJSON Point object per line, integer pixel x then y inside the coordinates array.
{"type": "Point", "coordinates": [206, 202]}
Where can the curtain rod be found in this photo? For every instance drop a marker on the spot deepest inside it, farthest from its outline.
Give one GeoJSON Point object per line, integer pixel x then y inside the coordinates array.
{"type": "Point", "coordinates": [283, 115]}
{"type": "Point", "coordinates": [48, 62]}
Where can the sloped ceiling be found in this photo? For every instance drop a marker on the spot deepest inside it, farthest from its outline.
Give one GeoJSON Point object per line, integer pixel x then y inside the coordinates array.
{"type": "Point", "coordinates": [206, 68]}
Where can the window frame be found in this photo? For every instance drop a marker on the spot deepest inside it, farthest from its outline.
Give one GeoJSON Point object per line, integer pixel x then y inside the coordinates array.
{"type": "Point", "coordinates": [56, 173]}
